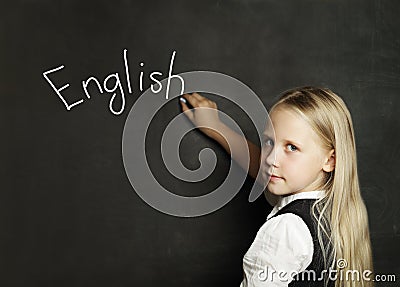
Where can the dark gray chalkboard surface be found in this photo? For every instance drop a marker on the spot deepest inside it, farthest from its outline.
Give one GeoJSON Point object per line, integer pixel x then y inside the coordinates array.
{"type": "Point", "coordinates": [68, 213]}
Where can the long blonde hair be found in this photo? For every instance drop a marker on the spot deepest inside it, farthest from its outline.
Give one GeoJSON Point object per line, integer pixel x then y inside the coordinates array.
{"type": "Point", "coordinates": [342, 215]}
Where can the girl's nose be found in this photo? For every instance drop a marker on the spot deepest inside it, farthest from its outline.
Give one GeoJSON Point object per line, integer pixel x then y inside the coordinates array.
{"type": "Point", "coordinates": [270, 157]}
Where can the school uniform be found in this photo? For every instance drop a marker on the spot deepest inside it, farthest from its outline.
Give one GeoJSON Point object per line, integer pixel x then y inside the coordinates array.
{"type": "Point", "coordinates": [286, 245]}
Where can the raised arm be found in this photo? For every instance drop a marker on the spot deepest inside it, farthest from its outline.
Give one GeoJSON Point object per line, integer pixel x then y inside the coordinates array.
{"type": "Point", "coordinates": [219, 131]}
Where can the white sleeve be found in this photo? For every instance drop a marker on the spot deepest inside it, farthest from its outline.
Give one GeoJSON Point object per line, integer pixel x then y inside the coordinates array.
{"type": "Point", "coordinates": [282, 248]}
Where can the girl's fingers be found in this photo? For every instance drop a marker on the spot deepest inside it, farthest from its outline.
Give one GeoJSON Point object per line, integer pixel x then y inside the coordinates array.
{"type": "Point", "coordinates": [192, 100]}
{"type": "Point", "coordinates": [198, 97]}
{"type": "Point", "coordinates": [197, 109]}
{"type": "Point", "coordinates": [187, 111]}
{"type": "Point", "coordinates": [197, 100]}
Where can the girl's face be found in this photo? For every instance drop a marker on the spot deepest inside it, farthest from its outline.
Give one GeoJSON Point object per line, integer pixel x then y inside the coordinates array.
{"type": "Point", "coordinates": [295, 161]}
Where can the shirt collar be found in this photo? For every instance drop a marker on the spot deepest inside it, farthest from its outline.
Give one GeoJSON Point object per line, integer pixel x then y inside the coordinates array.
{"type": "Point", "coordinates": [284, 200]}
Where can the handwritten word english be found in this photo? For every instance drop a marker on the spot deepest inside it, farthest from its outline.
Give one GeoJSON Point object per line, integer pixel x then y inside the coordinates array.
{"type": "Point", "coordinates": [112, 84]}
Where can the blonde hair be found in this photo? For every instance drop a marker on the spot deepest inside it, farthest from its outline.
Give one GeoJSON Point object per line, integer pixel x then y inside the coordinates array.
{"type": "Point", "coordinates": [342, 215]}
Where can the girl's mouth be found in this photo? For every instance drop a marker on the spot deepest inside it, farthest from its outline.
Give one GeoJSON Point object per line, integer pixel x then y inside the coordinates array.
{"type": "Point", "coordinates": [275, 178]}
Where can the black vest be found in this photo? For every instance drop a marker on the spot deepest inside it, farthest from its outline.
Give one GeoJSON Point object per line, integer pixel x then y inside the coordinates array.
{"type": "Point", "coordinates": [302, 208]}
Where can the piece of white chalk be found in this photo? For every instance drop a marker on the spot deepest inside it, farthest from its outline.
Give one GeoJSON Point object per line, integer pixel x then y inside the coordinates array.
{"type": "Point", "coordinates": [183, 100]}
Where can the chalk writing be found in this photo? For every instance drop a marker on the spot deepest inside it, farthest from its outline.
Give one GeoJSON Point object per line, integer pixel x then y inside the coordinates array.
{"type": "Point", "coordinates": [112, 84]}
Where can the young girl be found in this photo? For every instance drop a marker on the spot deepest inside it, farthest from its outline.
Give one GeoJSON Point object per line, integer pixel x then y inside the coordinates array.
{"type": "Point", "coordinates": [317, 233]}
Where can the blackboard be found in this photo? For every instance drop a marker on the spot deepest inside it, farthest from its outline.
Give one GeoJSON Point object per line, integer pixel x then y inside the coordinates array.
{"type": "Point", "coordinates": [68, 213]}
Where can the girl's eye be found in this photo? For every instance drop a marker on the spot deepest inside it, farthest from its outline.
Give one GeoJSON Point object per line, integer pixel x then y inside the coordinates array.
{"type": "Point", "coordinates": [291, 147]}
{"type": "Point", "coordinates": [269, 142]}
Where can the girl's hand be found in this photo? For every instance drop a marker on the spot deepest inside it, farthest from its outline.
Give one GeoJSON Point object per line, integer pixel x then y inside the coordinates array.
{"type": "Point", "coordinates": [235, 144]}
{"type": "Point", "coordinates": [202, 117]}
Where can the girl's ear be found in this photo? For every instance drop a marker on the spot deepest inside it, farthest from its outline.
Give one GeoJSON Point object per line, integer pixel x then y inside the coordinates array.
{"type": "Point", "coordinates": [330, 162]}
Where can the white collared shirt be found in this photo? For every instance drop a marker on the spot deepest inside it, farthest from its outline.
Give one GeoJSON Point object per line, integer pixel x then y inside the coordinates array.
{"type": "Point", "coordinates": [282, 248]}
